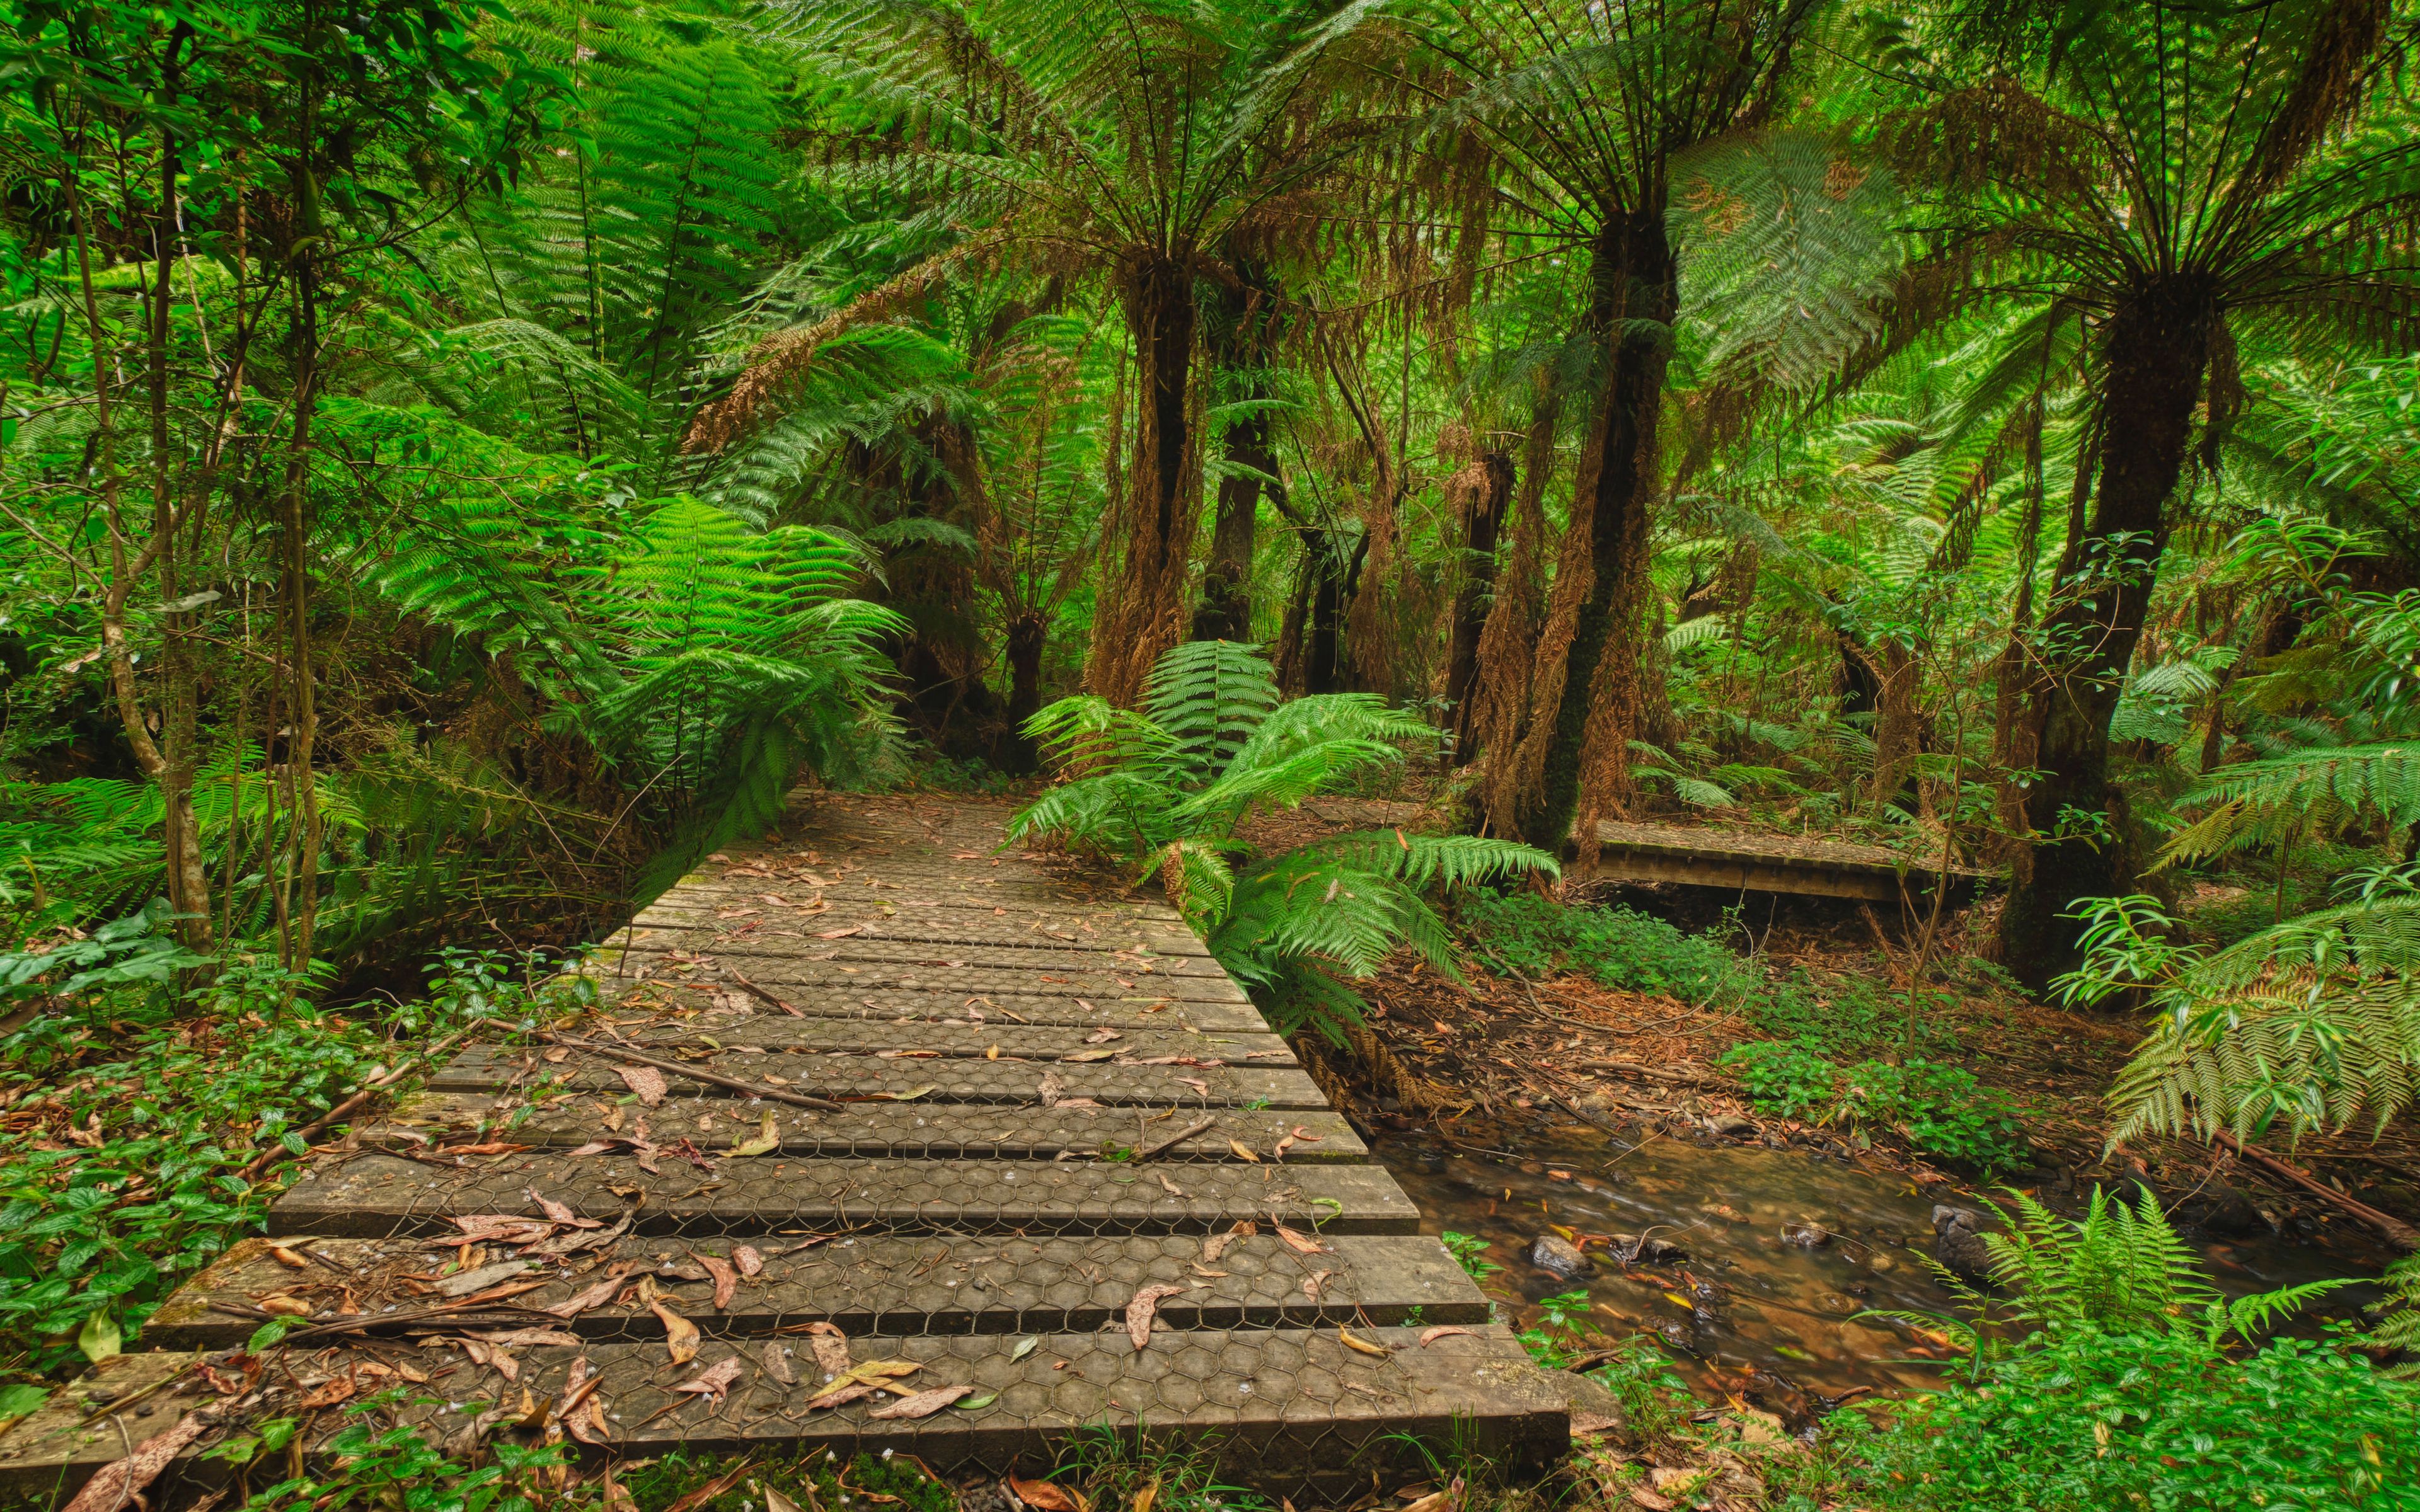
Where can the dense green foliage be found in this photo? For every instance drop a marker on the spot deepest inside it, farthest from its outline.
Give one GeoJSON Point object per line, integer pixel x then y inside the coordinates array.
{"type": "Point", "coordinates": [2139, 1386]}
{"type": "Point", "coordinates": [460, 463]}
{"type": "Point", "coordinates": [1165, 787]}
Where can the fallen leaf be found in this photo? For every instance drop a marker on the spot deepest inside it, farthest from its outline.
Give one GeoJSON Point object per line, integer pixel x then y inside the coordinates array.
{"type": "Point", "coordinates": [1311, 1283]}
{"type": "Point", "coordinates": [1086, 1056]}
{"type": "Point", "coordinates": [1213, 1275]}
{"type": "Point", "coordinates": [1141, 1311]}
{"type": "Point", "coordinates": [1170, 1187]}
{"type": "Point", "coordinates": [580, 1410]}
{"type": "Point", "coordinates": [992, 1054]}
{"type": "Point", "coordinates": [839, 933]}
{"type": "Point", "coordinates": [480, 1279]}
{"type": "Point", "coordinates": [1216, 1245]}
{"type": "Point", "coordinates": [1042, 1496]}
{"type": "Point", "coordinates": [831, 1348]}
{"type": "Point", "coordinates": [1300, 1243]}
{"type": "Point", "coordinates": [974, 1404]}
{"type": "Point", "coordinates": [840, 1394]}
{"type": "Point", "coordinates": [714, 1381]}
{"type": "Point", "coordinates": [1244, 1151]}
{"type": "Point", "coordinates": [777, 1365]}
{"type": "Point", "coordinates": [908, 1096]}
{"type": "Point", "coordinates": [1024, 1348]}
{"type": "Point", "coordinates": [287, 1257]}
{"type": "Point", "coordinates": [1098, 1035]}
{"type": "Point", "coordinates": [118, 1484]}
{"type": "Point", "coordinates": [1430, 1336]}
{"type": "Point", "coordinates": [749, 1261]}
{"type": "Point", "coordinates": [558, 1213]}
{"type": "Point", "coordinates": [680, 1334]}
{"type": "Point", "coordinates": [923, 1404]}
{"type": "Point", "coordinates": [769, 1138]}
{"type": "Point", "coordinates": [647, 1082]}
{"type": "Point", "coordinates": [284, 1306]}
{"type": "Point", "coordinates": [727, 1280]}
{"type": "Point", "coordinates": [1361, 1346]}
{"type": "Point", "coordinates": [1052, 1088]}
{"type": "Point", "coordinates": [596, 1296]}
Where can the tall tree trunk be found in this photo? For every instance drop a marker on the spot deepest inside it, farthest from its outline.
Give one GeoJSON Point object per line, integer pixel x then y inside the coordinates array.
{"type": "Point", "coordinates": [2158, 347]}
{"type": "Point", "coordinates": [1482, 493]}
{"type": "Point", "coordinates": [1027, 634]}
{"type": "Point", "coordinates": [294, 590]}
{"type": "Point", "coordinates": [1141, 618]}
{"type": "Point", "coordinates": [1584, 719]}
{"type": "Point", "coordinates": [1896, 734]}
{"type": "Point", "coordinates": [189, 888]}
{"type": "Point", "coordinates": [1242, 343]}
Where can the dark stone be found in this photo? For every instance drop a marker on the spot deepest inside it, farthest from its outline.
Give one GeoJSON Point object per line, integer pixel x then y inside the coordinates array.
{"type": "Point", "coordinates": [1632, 1249]}
{"type": "Point", "coordinates": [1958, 1242]}
{"type": "Point", "coordinates": [1732, 1126]}
{"type": "Point", "coordinates": [2219, 1208]}
{"type": "Point", "coordinates": [1805, 1236]}
{"type": "Point", "coordinates": [1551, 1252]}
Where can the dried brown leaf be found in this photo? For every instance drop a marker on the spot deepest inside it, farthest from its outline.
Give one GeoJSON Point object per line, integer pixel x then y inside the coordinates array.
{"type": "Point", "coordinates": [647, 1082]}
{"type": "Point", "coordinates": [680, 1334]}
{"type": "Point", "coordinates": [1142, 1309]}
{"type": "Point", "coordinates": [923, 1404]}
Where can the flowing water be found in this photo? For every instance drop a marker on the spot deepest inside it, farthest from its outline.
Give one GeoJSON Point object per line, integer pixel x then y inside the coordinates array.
{"type": "Point", "coordinates": [1750, 1311]}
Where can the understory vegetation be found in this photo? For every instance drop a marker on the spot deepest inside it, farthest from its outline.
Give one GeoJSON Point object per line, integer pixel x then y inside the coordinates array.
{"type": "Point", "coordinates": [463, 464]}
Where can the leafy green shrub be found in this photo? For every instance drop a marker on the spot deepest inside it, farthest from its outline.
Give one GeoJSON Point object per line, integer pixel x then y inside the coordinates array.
{"type": "Point", "coordinates": [1165, 787]}
{"type": "Point", "coordinates": [1941, 1110]}
{"type": "Point", "coordinates": [1623, 949]}
{"type": "Point", "coordinates": [130, 1175]}
{"type": "Point", "coordinates": [2086, 1418]}
{"type": "Point", "coordinates": [2127, 1395]}
{"type": "Point", "coordinates": [1790, 1078]}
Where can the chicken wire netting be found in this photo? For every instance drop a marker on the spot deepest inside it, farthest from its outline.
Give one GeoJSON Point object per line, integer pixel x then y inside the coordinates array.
{"type": "Point", "coordinates": [869, 1174]}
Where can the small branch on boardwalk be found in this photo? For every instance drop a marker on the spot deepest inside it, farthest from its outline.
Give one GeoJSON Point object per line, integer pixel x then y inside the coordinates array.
{"type": "Point", "coordinates": [1179, 1138]}
{"type": "Point", "coordinates": [675, 1069]}
{"type": "Point", "coordinates": [758, 993]}
{"type": "Point", "coordinates": [2395, 1230]}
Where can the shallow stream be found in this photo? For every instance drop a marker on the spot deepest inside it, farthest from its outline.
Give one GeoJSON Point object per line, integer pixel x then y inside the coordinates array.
{"type": "Point", "coordinates": [1749, 1312]}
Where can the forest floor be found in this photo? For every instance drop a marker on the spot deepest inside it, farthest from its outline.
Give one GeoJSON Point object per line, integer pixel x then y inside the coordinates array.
{"type": "Point", "coordinates": [1565, 1048]}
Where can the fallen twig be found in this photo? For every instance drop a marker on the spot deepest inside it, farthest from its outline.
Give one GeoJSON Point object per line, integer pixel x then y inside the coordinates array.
{"type": "Point", "coordinates": [674, 1067]}
{"type": "Point", "coordinates": [758, 993]}
{"type": "Point", "coordinates": [1147, 1152]}
{"type": "Point", "coordinates": [2394, 1230]}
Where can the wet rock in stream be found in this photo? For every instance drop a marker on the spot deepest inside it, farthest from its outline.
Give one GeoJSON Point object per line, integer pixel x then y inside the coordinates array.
{"type": "Point", "coordinates": [1634, 1249]}
{"type": "Point", "coordinates": [1553, 1253]}
{"type": "Point", "coordinates": [1957, 1241]}
{"type": "Point", "coordinates": [1805, 1236]}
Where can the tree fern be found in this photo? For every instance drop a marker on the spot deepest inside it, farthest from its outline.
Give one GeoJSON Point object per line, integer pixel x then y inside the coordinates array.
{"type": "Point", "coordinates": [2313, 1022]}
{"type": "Point", "coordinates": [1168, 787]}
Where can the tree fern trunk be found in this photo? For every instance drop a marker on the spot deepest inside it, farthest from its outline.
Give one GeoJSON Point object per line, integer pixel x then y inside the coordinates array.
{"type": "Point", "coordinates": [1591, 722]}
{"type": "Point", "coordinates": [1242, 341]}
{"type": "Point", "coordinates": [2157, 348]}
{"type": "Point", "coordinates": [1486, 491]}
{"type": "Point", "coordinates": [1146, 599]}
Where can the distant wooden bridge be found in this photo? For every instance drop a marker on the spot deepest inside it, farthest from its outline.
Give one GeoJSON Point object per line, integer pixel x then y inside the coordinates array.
{"type": "Point", "coordinates": [889, 1143]}
{"type": "Point", "coordinates": [1753, 860]}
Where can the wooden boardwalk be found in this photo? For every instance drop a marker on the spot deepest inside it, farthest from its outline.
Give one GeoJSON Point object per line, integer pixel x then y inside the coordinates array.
{"type": "Point", "coordinates": [1068, 1179]}
{"type": "Point", "coordinates": [1751, 860]}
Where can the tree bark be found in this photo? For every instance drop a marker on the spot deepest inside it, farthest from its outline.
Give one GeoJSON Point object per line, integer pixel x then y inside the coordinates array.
{"type": "Point", "coordinates": [1027, 634]}
{"type": "Point", "coordinates": [1246, 314]}
{"type": "Point", "coordinates": [1596, 710]}
{"type": "Point", "coordinates": [2157, 348]}
{"type": "Point", "coordinates": [294, 589]}
{"type": "Point", "coordinates": [1485, 491]}
{"type": "Point", "coordinates": [1140, 619]}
